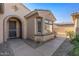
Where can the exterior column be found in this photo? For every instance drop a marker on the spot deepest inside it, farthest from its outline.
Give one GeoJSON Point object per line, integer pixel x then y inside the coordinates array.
{"type": "Point", "coordinates": [76, 26]}
{"type": "Point", "coordinates": [24, 29]}
{"type": "Point", "coordinates": [43, 26]}
{"type": "Point", "coordinates": [35, 24]}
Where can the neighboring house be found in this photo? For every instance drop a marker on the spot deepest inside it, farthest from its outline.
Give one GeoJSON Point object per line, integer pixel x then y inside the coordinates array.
{"type": "Point", "coordinates": [17, 21]}
{"type": "Point", "coordinates": [62, 28]}
{"type": "Point", "coordinates": [75, 17]}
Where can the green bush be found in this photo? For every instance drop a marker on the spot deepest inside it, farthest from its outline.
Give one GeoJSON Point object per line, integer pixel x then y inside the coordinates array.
{"type": "Point", "coordinates": [77, 37]}
{"type": "Point", "coordinates": [74, 52]}
{"type": "Point", "coordinates": [75, 42]}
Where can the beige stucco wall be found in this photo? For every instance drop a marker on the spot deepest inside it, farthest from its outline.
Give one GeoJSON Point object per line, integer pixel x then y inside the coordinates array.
{"type": "Point", "coordinates": [9, 11]}
{"type": "Point", "coordinates": [43, 38]}
{"type": "Point", "coordinates": [77, 25]}
{"type": "Point", "coordinates": [47, 15]}
{"type": "Point", "coordinates": [75, 20]}
{"type": "Point", "coordinates": [62, 29]}
{"type": "Point", "coordinates": [31, 24]}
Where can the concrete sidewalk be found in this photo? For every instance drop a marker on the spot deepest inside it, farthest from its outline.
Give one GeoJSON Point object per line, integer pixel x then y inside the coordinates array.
{"type": "Point", "coordinates": [64, 49]}
{"type": "Point", "coordinates": [20, 48]}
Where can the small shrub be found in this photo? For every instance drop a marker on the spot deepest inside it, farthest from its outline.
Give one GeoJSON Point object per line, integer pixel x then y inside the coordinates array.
{"type": "Point", "coordinates": [70, 34]}
{"type": "Point", "coordinates": [75, 42]}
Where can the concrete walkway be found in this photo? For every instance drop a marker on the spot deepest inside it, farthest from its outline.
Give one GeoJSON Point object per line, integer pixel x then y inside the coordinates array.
{"type": "Point", "coordinates": [20, 48]}
{"type": "Point", "coordinates": [64, 48]}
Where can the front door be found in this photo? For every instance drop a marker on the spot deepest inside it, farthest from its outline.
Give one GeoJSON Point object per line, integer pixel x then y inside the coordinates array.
{"type": "Point", "coordinates": [12, 29]}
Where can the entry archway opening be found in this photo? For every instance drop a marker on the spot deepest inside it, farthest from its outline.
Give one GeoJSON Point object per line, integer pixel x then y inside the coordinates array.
{"type": "Point", "coordinates": [14, 28]}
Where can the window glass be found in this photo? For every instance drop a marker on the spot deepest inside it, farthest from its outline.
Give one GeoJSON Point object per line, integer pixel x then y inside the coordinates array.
{"type": "Point", "coordinates": [39, 26]}
{"type": "Point", "coordinates": [48, 26]}
{"type": "Point", "coordinates": [46, 21]}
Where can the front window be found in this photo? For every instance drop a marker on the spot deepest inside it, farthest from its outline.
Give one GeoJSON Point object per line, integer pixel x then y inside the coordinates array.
{"type": "Point", "coordinates": [39, 25]}
{"type": "Point", "coordinates": [48, 26]}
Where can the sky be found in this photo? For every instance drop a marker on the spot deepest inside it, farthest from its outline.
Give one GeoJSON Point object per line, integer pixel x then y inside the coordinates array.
{"type": "Point", "coordinates": [61, 11]}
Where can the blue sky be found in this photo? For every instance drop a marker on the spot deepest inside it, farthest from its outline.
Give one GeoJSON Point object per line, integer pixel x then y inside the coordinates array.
{"type": "Point", "coordinates": [62, 11]}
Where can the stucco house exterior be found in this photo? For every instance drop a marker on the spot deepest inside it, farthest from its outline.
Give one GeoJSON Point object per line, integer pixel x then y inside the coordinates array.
{"type": "Point", "coordinates": [75, 19]}
{"type": "Point", "coordinates": [62, 28]}
{"type": "Point", "coordinates": [40, 25]}
{"type": "Point", "coordinates": [17, 21]}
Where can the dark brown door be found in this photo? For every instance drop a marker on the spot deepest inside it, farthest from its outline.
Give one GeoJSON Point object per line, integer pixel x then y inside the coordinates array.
{"type": "Point", "coordinates": [12, 29]}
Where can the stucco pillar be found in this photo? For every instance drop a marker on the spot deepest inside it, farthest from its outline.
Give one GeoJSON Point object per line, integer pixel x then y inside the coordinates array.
{"type": "Point", "coordinates": [35, 25]}
{"type": "Point", "coordinates": [76, 26]}
{"type": "Point", "coordinates": [24, 29]}
{"type": "Point", "coordinates": [43, 26]}
{"type": "Point", "coordinates": [1, 30]}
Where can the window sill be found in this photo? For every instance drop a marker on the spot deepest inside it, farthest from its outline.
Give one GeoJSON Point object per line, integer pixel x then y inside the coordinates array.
{"type": "Point", "coordinates": [43, 34]}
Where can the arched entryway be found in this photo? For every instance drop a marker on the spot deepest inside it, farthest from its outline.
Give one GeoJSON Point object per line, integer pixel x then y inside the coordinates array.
{"type": "Point", "coordinates": [14, 28]}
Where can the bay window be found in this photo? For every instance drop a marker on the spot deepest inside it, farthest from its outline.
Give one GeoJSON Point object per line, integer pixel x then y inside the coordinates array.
{"type": "Point", "coordinates": [48, 26]}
